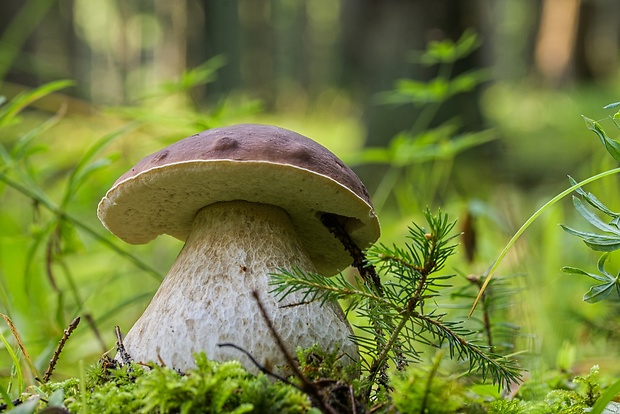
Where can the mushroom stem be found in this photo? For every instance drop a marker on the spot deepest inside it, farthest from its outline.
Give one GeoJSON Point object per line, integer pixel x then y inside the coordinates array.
{"type": "Point", "coordinates": [206, 298]}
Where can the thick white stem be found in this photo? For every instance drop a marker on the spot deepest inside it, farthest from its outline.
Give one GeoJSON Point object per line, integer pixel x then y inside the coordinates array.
{"type": "Point", "coordinates": [206, 298]}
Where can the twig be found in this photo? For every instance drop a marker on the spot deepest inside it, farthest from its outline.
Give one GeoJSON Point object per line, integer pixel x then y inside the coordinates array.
{"type": "Point", "coordinates": [365, 269]}
{"type": "Point", "coordinates": [262, 368]}
{"type": "Point", "coordinates": [125, 357]}
{"type": "Point", "coordinates": [61, 344]}
{"type": "Point", "coordinates": [306, 386]}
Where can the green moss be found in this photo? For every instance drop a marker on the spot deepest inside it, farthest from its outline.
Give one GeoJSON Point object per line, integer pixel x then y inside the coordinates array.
{"type": "Point", "coordinates": [519, 407]}
{"type": "Point", "coordinates": [417, 391]}
{"type": "Point", "coordinates": [209, 388]}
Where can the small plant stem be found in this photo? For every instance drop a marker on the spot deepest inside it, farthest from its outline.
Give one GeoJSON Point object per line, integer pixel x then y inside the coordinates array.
{"type": "Point", "coordinates": [76, 222]}
{"type": "Point", "coordinates": [474, 353]}
{"type": "Point", "coordinates": [429, 381]}
{"type": "Point", "coordinates": [486, 314]}
{"type": "Point", "coordinates": [93, 326]}
{"type": "Point", "coordinates": [486, 321]}
{"type": "Point", "coordinates": [82, 387]}
{"type": "Point", "coordinates": [61, 344]}
{"type": "Point", "coordinates": [527, 224]}
{"type": "Point", "coordinates": [382, 357]}
{"type": "Point", "coordinates": [405, 316]}
{"type": "Point", "coordinates": [385, 187]}
{"type": "Point", "coordinates": [13, 330]}
{"type": "Point", "coordinates": [258, 365]}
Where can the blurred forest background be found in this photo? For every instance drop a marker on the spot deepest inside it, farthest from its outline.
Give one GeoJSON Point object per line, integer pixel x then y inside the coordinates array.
{"type": "Point", "coordinates": [348, 73]}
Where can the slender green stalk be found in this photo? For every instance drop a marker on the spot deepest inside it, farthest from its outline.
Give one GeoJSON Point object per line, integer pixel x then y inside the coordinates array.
{"type": "Point", "coordinates": [605, 398]}
{"type": "Point", "coordinates": [15, 360]}
{"type": "Point", "coordinates": [83, 226]}
{"type": "Point", "coordinates": [527, 224]}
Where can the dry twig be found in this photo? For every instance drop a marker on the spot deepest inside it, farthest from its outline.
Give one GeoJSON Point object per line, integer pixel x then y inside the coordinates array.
{"type": "Point", "coordinates": [61, 344]}
{"type": "Point", "coordinates": [125, 357]}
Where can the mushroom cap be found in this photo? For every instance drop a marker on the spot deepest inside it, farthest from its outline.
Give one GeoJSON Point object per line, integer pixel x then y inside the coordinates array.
{"type": "Point", "coordinates": [163, 192]}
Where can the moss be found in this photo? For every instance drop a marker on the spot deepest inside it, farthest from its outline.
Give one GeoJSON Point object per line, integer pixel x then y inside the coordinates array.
{"type": "Point", "coordinates": [209, 388]}
{"type": "Point", "coordinates": [417, 391]}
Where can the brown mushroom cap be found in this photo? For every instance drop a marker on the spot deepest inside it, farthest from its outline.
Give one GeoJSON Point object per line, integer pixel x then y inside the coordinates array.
{"type": "Point", "coordinates": [256, 163]}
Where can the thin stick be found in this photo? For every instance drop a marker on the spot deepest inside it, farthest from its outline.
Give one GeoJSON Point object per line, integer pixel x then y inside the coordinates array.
{"type": "Point", "coordinates": [61, 344]}
{"type": "Point", "coordinates": [307, 387]}
{"type": "Point", "coordinates": [257, 364]}
{"type": "Point", "coordinates": [125, 357]}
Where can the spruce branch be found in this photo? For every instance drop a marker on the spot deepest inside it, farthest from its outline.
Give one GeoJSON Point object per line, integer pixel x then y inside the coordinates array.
{"type": "Point", "coordinates": [396, 320]}
{"type": "Point", "coordinates": [316, 287]}
{"type": "Point", "coordinates": [502, 371]}
{"type": "Point", "coordinates": [369, 274]}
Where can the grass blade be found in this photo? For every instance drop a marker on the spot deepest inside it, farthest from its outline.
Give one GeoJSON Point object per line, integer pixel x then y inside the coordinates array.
{"type": "Point", "coordinates": [8, 321]}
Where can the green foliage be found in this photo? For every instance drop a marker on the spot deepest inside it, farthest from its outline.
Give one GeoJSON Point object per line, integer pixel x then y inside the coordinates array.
{"type": "Point", "coordinates": [209, 388]}
{"type": "Point", "coordinates": [419, 391]}
{"type": "Point", "coordinates": [612, 146]}
{"type": "Point", "coordinates": [518, 407]}
{"type": "Point", "coordinates": [403, 316]}
{"type": "Point", "coordinates": [316, 364]}
{"type": "Point", "coordinates": [609, 240]}
{"type": "Point", "coordinates": [425, 146]}
{"type": "Point", "coordinates": [400, 324]}
{"type": "Point", "coordinates": [56, 260]}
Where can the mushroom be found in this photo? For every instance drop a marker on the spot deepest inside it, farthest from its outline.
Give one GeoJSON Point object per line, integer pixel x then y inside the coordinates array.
{"type": "Point", "coordinates": [247, 200]}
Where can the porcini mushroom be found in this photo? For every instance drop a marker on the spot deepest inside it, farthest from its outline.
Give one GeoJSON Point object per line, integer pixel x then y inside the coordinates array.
{"type": "Point", "coordinates": [247, 200]}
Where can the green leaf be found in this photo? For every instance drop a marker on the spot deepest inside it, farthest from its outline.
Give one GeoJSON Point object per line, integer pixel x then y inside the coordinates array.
{"type": "Point", "coordinates": [201, 75]}
{"type": "Point", "coordinates": [447, 51]}
{"type": "Point", "coordinates": [593, 218]}
{"type": "Point", "coordinates": [22, 147]}
{"type": "Point", "coordinates": [56, 399]}
{"type": "Point", "coordinates": [612, 146]}
{"type": "Point", "coordinates": [598, 292]}
{"type": "Point", "coordinates": [85, 167]}
{"type": "Point", "coordinates": [605, 400]}
{"type": "Point", "coordinates": [467, 81]}
{"type": "Point", "coordinates": [416, 92]}
{"type": "Point", "coordinates": [597, 242]}
{"type": "Point", "coordinates": [603, 244]}
{"type": "Point", "coordinates": [601, 266]}
{"type": "Point", "coordinates": [27, 407]}
{"type": "Point", "coordinates": [23, 100]}
{"type": "Point", "coordinates": [576, 271]}
{"type": "Point", "coordinates": [592, 200]}
{"type": "Point", "coordinates": [612, 105]}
